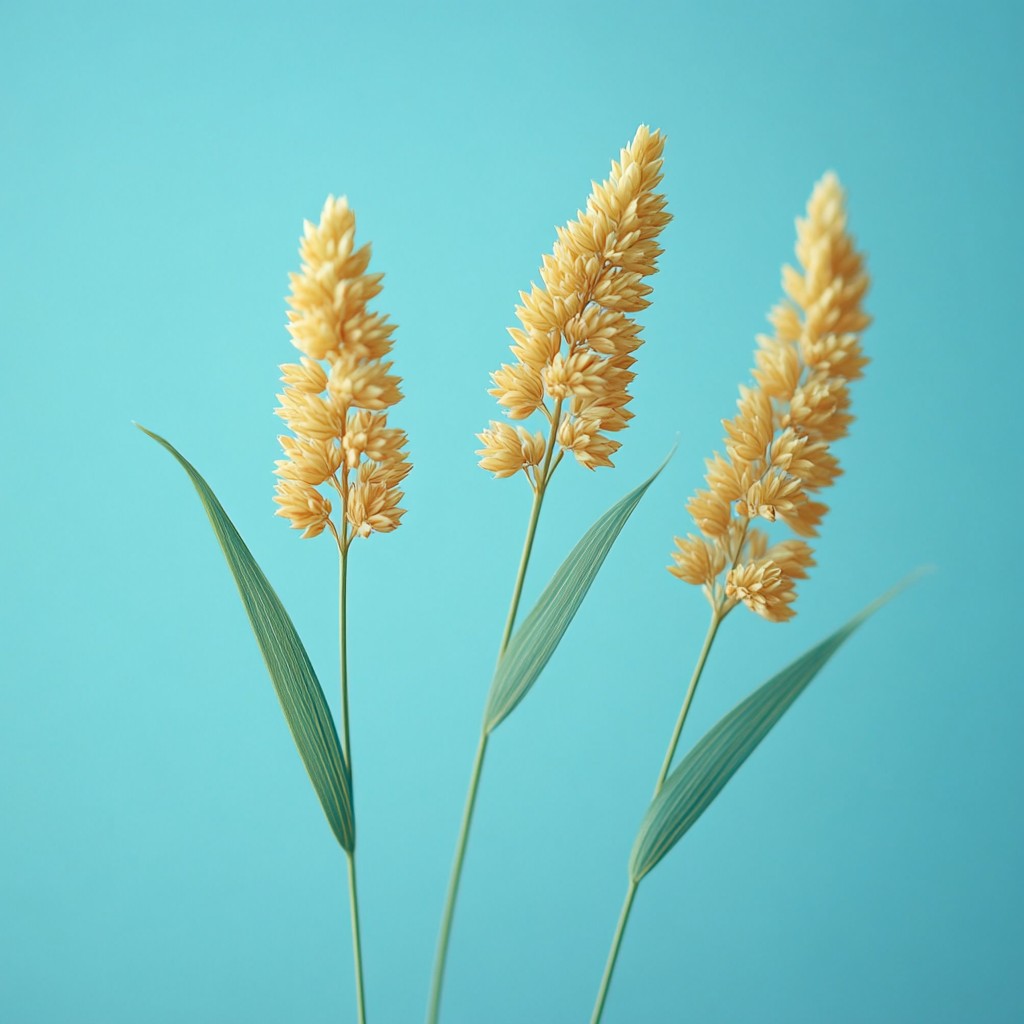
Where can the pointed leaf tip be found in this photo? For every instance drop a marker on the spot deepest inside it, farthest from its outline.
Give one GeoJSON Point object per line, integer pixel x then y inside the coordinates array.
{"type": "Point", "coordinates": [703, 772]}
{"type": "Point", "coordinates": [535, 641]}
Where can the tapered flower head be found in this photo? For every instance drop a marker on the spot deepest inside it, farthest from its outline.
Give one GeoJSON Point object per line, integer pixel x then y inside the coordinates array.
{"type": "Point", "coordinates": [778, 446]}
{"type": "Point", "coordinates": [335, 399]}
{"type": "Point", "coordinates": [573, 348]}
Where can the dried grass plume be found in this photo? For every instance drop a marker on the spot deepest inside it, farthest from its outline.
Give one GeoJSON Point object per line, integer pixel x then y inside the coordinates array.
{"type": "Point", "coordinates": [778, 446]}
{"type": "Point", "coordinates": [335, 399]}
{"type": "Point", "coordinates": [576, 337]}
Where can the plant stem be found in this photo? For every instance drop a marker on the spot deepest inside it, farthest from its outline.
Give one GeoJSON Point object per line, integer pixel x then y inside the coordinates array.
{"type": "Point", "coordinates": [524, 561]}
{"type": "Point", "coordinates": [627, 904]}
{"type": "Point", "coordinates": [440, 960]}
{"type": "Point", "coordinates": [716, 620]}
{"type": "Point", "coordinates": [343, 655]}
{"type": "Point", "coordinates": [474, 782]}
{"type": "Point", "coordinates": [543, 478]}
{"type": "Point", "coordinates": [356, 942]}
{"type": "Point", "coordinates": [453, 885]}
{"type": "Point", "coordinates": [357, 949]}
{"type": "Point", "coordinates": [613, 953]}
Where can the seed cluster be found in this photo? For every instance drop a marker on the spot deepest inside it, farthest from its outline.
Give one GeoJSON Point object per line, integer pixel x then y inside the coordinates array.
{"type": "Point", "coordinates": [334, 399]}
{"type": "Point", "coordinates": [575, 343]}
{"type": "Point", "coordinates": [778, 446]}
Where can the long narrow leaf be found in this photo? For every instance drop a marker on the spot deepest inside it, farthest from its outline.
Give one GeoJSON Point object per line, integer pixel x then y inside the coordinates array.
{"type": "Point", "coordinates": [298, 690]}
{"type": "Point", "coordinates": [535, 641]}
{"type": "Point", "coordinates": [704, 771]}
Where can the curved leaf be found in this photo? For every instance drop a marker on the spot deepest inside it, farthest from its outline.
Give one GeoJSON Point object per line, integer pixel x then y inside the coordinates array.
{"type": "Point", "coordinates": [535, 641]}
{"type": "Point", "coordinates": [302, 699]}
{"type": "Point", "coordinates": [704, 771]}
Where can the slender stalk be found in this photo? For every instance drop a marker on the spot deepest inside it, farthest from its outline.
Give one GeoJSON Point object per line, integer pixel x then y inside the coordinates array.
{"type": "Point", "coordinates": [356, 941]}
{"type": "Point", "coordinates": [613, 953]}
{"type": "Point", "coordinates": [342, 653]}
{"type": "Point", "coordinates": [524, 561]}
{"type": "Point", "coordinates": [716, 620]}
{"type": "Point", "coordinates": [627, 904]}
{"type": "Point", "coordinates": [441, 957]}
{"type": "Point", "coordinates": [453, 885]}
{"type": "Point", "coordinates": [543, 478]}
{"type": "Point", "coordinates": [357, 947]}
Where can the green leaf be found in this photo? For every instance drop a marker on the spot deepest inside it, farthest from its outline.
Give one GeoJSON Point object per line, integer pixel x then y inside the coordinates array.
{"type": "Point", "coordinates": [704, 771]}
{"type": "Point", "coordinates": [536, 639]}
{"type": "Point", "coordinates": [298, 690]}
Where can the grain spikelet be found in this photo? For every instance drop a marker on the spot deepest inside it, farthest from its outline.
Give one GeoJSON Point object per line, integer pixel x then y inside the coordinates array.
{"type": "Point", "coordinates": [778, 446]}
{"type": "Point", "coordinates": [574, 347]}
{"type": "Point", "coordinates": [337, 411]}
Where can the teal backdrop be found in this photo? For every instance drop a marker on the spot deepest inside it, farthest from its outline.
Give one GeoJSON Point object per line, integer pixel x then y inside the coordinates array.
{"type": "Point", "coordinates": [162, 855]}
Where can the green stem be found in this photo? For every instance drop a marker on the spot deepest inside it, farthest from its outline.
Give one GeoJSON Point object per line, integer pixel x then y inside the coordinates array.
{"type": "Point", "coordinates": [543, 479]}
{"type": "Point", "coordinates": [716, 620]}
{"type": "Point", "coordinates": [357, 948]}
{"type": "Point", "coordinates": [627, 905]}
{"type": "Point", "coordinates": [453, 885]}
{"type": "Point", "coordinates": [343, 655]}
{"type": "Point", "coordinates": [356, 942]}
{"type": "Point", "coordinates": [441, 957]}
{"type": "Point", "coordinates": [524, 561]}
{"type": "Point", "coordinates": [613, 953]}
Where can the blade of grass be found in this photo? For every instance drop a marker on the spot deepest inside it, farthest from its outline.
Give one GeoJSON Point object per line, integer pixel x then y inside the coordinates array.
{"type": "Point", "coordinates": [302, 700]}
{"type": "Point", "coordinates": [717, 756]}
{"type": "Point", "coordinates": [535, 641]}
{"type": "Point", "coordinates": [683, 797]}
{"type": "Point", "coordinates": [550, 618]}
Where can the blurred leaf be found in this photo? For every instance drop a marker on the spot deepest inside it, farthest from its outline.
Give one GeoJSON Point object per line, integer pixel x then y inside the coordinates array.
{"type": "Point", "coordinates": [536, 639]}
{"type": "Point", "coordinates": [298, 690]}
{"type": "Point", "coordinates": [704, 771]}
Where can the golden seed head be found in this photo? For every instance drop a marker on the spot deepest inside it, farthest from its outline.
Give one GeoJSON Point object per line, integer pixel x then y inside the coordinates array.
{"type": "Point", "coordinates": [573, 348]}
{"type": "Point", "coordinates": [304, 505]}
{"type": "Point", "coordinates": [355, 383]}
{"type": "Point", "coordinates": [337, 411]}
{"type": "Point", "coordinates": [697, 561]}
{"type": "Point", "coordinates": [507, 450]}
{"type": "Point", "coordinates": [372, 506]}
{"type": "Point", "coordinates": [312, 462]}
{"type": "Point", "coordinates": [584, 439]}
{"type": "Point", "coordinates": [778, 445]}
{"type": "Point", "coordinates": [711, 512]}
{"type": "Point", "coordinates": [793, 557]}
{"type": "Point", "coordinates": [764, 588]}
{"type": "Point", "coordinates": [308, 375]}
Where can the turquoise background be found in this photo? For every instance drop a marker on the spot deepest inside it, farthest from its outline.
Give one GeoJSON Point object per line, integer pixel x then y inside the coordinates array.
{"type": "Point", "coordinates": [162, 855]}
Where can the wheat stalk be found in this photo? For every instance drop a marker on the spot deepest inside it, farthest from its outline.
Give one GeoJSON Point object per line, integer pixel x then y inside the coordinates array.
{"type": "Point", "coordinates": [334, 402]}
{"type": "Point", "coordinates": [778, 454]}
{"type": "Point", "coordinates": [573, 367]}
